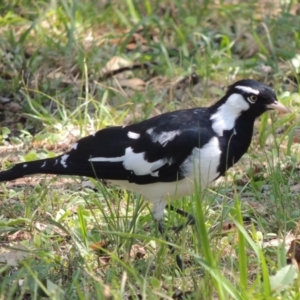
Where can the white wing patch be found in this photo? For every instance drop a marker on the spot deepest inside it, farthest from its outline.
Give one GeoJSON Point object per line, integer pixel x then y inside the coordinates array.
{"type": "Point", "coordinates": [63, 160]}
{"type": "Point", "coordinates": [25, 166]}
{"type": "Point", "coordinates": [226, 115]}
{"type": "Point", "coordinates": [133, 135]}
{"type": "Point", "coordinates": [247, 89]}
{"type": "Point", "coordinates": [163, 137]}
{"type": "Point", "coordinates": [135, 162]}
{"type": "Point", "coordinates": [43, 165]}
{"type": "Point", "coordinates": [109, 159]}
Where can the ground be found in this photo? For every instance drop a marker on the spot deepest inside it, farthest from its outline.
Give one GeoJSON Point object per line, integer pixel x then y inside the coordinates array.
{"type": "Point", "coordinates": [69, 68]}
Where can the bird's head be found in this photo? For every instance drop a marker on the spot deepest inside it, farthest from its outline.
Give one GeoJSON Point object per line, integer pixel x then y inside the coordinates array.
{"type": "Point", "coordinates": [253, 97]}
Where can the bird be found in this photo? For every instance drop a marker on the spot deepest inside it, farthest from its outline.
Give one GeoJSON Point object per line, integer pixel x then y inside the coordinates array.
{"type": "Point", "coordinates": [163, 157]}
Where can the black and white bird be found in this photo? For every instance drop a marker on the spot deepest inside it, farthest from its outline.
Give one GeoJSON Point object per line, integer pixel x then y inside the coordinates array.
{"type": "Point", "coordinates": [162, 157]}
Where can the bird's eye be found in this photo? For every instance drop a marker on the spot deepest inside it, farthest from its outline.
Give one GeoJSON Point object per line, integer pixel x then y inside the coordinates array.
{"type": "Point", "coordinates": [252, 98]}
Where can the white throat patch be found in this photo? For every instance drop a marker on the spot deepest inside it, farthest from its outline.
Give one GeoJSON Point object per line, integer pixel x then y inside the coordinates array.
{"type": "Point", "coordinates": [226, 115]}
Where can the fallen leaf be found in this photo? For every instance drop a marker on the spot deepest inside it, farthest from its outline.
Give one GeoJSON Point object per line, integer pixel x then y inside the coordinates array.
{"type": "Point", "coordinates": [133, 83]}
{"type": "Point", "coordinates": [294, 252]}
{"type": "Point", "coordinates": [104, 260]}
{"type": "Point", "coordinates": [137, 252]}
{"type": "Point", "coordinates": [115, 63]}
{"type": "Point", "coordinates": [228, 227]}
{"type": "Point", "coordinates": [14, 256]}
{"type": "Point", "coordinates": [295, 188]}
{"type": "Point", "coordinates": [274, 241]}
{"type": "Point", "coordinates": [41, 226]}
{"type": "Point", "coordinates": [99, 246]}
{"type": "Point", "coordinates": [107, 292]}
{"type": "Point", "coordinates": [133, 46]}
{"type": "Point", "coordinates": [296, 137]}
{"type": "Point", "coordinates": [254, 207]}
{"type": "Point", "coordinates": [19, 236]}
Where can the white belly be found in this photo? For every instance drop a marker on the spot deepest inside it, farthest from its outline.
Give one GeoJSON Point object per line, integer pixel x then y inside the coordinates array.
{"type": "Point", "coordinates": [159, 190]}
{"type": "Point", "coordinates": [159, 193]}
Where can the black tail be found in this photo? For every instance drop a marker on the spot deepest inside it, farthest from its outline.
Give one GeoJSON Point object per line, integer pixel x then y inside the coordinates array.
{"type": "Point", "coordinates": [54, 165]}
{"type": "Point", "coordinates": [67, 164]}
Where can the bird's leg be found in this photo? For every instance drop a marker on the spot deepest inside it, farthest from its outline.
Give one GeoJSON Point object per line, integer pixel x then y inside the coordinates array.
{"type": "Point", "coordinates": [190, 218]}
{"type": "Point", "coordinates": [190, 221]}
{"type": "Point", "coordinates": [161, 228]}
{"type": "Point", "coordinates": [162, 231]}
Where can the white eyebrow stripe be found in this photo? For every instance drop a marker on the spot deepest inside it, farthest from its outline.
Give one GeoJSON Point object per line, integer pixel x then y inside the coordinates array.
{"type": "Point", "coordinates": [247, 89]}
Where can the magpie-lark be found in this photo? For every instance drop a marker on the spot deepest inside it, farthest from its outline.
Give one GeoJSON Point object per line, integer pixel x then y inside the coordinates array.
{"type": "Point", "coordinates": [162, 157]}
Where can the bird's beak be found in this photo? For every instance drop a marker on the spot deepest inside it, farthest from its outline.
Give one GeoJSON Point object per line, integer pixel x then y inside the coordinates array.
{"type": "Point", "coordinates": [278, 106]}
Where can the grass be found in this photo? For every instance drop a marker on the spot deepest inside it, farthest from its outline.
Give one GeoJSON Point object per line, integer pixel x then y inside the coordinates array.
{"type": "Point", "coordinates": [64, 241]}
